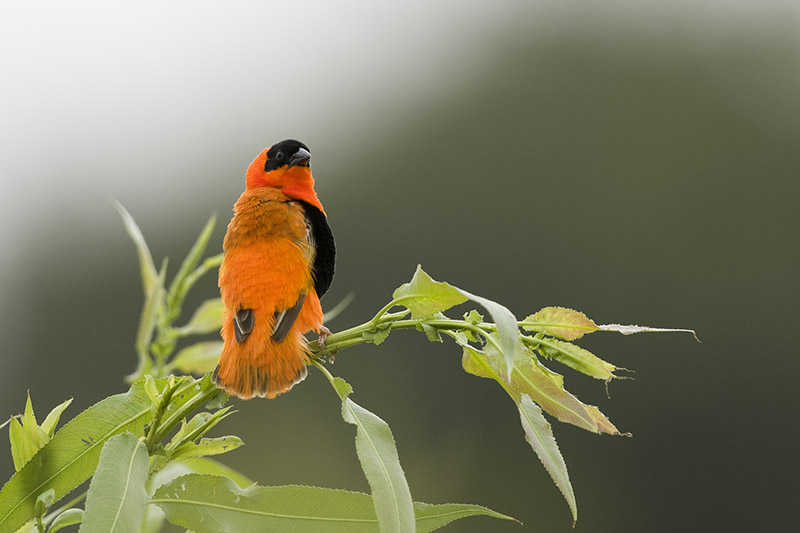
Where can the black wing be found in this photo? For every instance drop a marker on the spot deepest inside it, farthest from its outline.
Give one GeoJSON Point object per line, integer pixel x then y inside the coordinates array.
{"type": "Point", "coordinates": [325, 260]}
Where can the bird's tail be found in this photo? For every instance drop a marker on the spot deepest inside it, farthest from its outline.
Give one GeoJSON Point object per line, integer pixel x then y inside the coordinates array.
{"type": "Point", "coordinates": [260, 366]}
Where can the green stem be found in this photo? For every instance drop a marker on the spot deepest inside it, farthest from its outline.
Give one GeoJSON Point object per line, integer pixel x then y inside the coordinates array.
{"type": "Point", "coordinates": [182, 412]}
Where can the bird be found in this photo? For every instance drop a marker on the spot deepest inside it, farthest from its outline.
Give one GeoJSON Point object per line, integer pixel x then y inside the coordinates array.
{"type": "Point", "coordinates": [279, 259]}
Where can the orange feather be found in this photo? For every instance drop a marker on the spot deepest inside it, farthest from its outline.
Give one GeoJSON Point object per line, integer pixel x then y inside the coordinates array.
{"type": "Point", "coordinates": [267, 268]}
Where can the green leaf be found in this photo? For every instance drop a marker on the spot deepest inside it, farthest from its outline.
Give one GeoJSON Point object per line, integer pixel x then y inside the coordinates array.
{"type": "Point", "coordinates": [215, 503]}
{"type": "Point", "coordinates": [576, 358]}
{"type": "Point", "coordinates": [50, 423]}
{"type": "Point", "coordinates": [560, 322]}
{"type": "Point", "coordinates": [198, 358]}
{"type": "Point", "coordinates": [543, 386]}
{"type": "Point", "coordinates": [431, 332]}
{"type": "Point", "coordinates": [205, 465]}
{"type": "Point", "coordinates": [146, 265]}
{"type": "Point", "coordinates": [424, 296]}
{"type": "Point", "coordinates": [379, 459]}
{"type": "Point", "coordinates": [181, 284]}
{"type": "Point", "coordinates": [431, 517]}
{"type": "Point", "coordinates": [377, 334]}
{"type": "Point", "coordinates": [540, 437]}
{"type": "Point", "coordinates": [153, 305]}
{"type": "Point", "coordinates": [117, 497]}
{"type": "Point", "coordinates": [70, 517]}
{"type": "Point", "coordinates": [211, 446]}
{"type": "Point", "coordinates": [43, 502]}
{"type": "Point", "coordinates": [506, 327]}
{"type": "Point", "coordinates": [206, 318]}
{"type": "Point", "coordinates": [72, 454]}
{"type": "Point", "coordinates": [26, 437]}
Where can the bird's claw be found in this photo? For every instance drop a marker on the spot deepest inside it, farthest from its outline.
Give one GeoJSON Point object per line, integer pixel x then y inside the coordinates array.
{"type": "Point", "coordinates": [323, 336]}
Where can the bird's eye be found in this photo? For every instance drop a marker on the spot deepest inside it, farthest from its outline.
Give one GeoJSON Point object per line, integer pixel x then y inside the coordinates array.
{"type": "Point", "coordinates": [279, 156]}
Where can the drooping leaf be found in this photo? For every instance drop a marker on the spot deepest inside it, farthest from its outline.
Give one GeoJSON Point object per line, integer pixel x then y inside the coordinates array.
{"type": "Point", "coordinates": [540, 437]}
{"type": "Point", "coordinates": [117, 496]}
{"type": "Point", "coordinates": [70, 517]}
{"type": "Point", "coordinates": [424, 296]}
{"type": "Point", "coordinates": [561, 322]}
{"type": "Point", "coordinates": [214, 503]}
{"type": "Point", "coordinates": [205, 319]}
{"type": "Point", "coordinates": [381, 464]}
{"type": "Point", "coordinates": [72, 454]}
{"type": "Point", "coordinates": [576, 358]}
{"type": "Point", "coordinates": [199, 358]}
{"type": "Point", "coordinates": [377, 334]}
{"type": "Point", "coordinates": [507, 328]}
{"type": "Point", "coordinates": [43, 502]}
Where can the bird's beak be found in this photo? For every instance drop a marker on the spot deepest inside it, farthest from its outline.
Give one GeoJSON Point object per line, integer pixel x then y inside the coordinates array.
{"type": "Point", "coordinates": [301, 158]}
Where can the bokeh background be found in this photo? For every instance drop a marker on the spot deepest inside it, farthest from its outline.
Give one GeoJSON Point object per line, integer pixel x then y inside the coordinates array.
{"type": "Point", "coordinates": [638, 161]}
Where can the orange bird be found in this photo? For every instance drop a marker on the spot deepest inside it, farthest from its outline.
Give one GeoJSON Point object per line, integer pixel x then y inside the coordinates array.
{"type": "Point", "coordinates": [279, 261]}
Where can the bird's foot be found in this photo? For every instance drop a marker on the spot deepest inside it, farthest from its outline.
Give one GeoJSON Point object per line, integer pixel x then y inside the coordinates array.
{"type": "Point", "coordinates": [323, 336]}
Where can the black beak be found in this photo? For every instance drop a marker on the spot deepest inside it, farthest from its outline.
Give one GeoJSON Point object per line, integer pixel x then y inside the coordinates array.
{"type": "Point", "coordinates": [301, 158]}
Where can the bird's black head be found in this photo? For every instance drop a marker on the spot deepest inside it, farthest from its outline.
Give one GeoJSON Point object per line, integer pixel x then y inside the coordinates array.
{"type": "Point", "coordinates": [288, 152]}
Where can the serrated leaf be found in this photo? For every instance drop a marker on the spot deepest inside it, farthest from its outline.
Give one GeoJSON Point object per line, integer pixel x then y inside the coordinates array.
{"type": "Point", "coordinates": [210, 446]}
{"type": "Point", "coordinates": [72, 454]}
{"type": "Point", "coordinates": [424, 296]}
{"type": "Point", "coordinates": [561, 322]}
{"type": "Point", "coordinates": [215, 503]}
{"type": "Point", "coordinates": [146, 265]}
{"type": "Point", "coordinates": [26, 437]}
{"type": "Point", "coordinates": [377, 453]}
{"type": "Point", "coordinates": [430, 517]}
{"type": "Point", "coordinates": [576, 358]}
{"type": "Point", "coordinates": [117, 497]}
{"type": "Point", "coordinates": [205, 319]}
{"type": "Point", "coordinates": [199, 358]}
{"type": "Point", "coordinates": [540, 436]}
{"type": "Point", "coordinates": [70, 517]}
{"type": "Point", "coordinates": [50, 423]}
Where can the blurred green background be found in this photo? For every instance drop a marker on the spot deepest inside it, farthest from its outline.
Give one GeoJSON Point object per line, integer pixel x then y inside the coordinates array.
{"type": "Point", "coordinates": [636, 161]}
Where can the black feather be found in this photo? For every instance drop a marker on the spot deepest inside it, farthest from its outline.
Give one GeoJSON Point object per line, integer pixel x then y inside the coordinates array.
{"type": "Point", "coordinates": [243, 324]}
{"type": "Point", "coordinates": [322, 237]}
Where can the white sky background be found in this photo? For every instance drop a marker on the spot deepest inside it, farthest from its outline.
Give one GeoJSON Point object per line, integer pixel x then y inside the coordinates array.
{"type": "Point", "coordinates": [130, 99]}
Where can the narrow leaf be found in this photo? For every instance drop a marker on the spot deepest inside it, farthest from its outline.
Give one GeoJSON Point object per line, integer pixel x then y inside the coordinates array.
{"type": "Point", "coordinates": [205, 465]}
{"type": "Point", "coordinates": [177, 289]}
{"type": "Point", "coordinates": [70, 517]}
{"type": "Point", "coordinates": [50, 423]}
{"type": "Point", "coordinates": [576, 357]}
{"type": "Point", "coordinates": [117, 497]}
{"type": "Point", "coordinates": [377, 453]}
{"type": "Point", "coordinates": [431, 517]}
{"type": "Point", "coordinates": [211, 446]}
{"type": "Point", "coordinates": [630, 330]}
{"type": "Point", "coordinates": [424, 296]}
{"type": "Point", "coordinates": [72, 454]}
{"type": "Point", "coordinates": [560, 322]}
{"type": "Point", "coordinates": [540, 437]}
{"type": "Point", "coordinates": [215, 503]}
{"type": "Point", "coordinates": [199, 358]}
{"type": "Point", "coordinates": [146, 265]}
{"type": "Point", "coordinates": [206, 318]}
